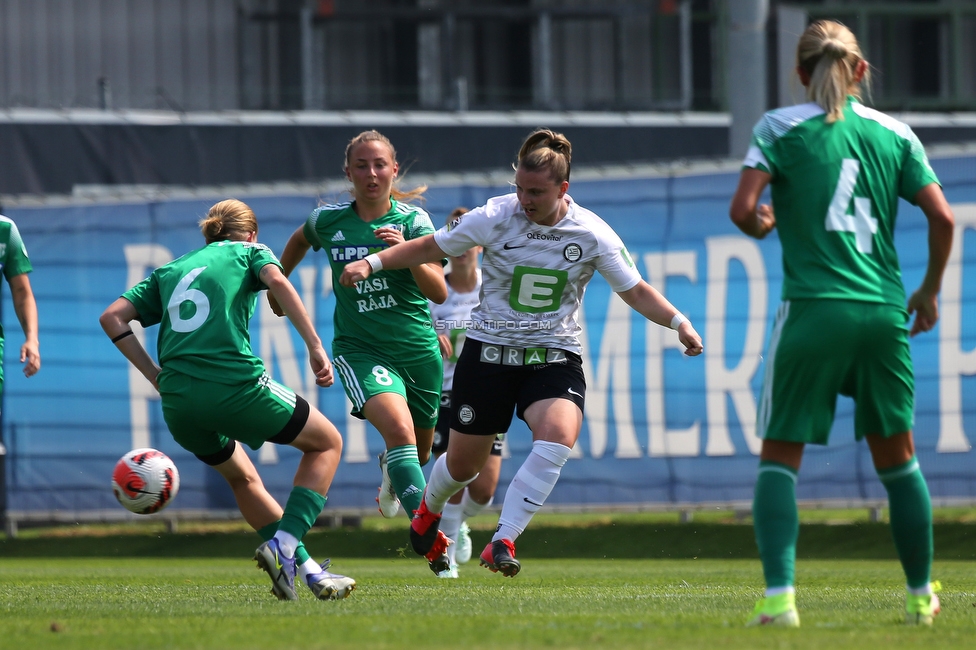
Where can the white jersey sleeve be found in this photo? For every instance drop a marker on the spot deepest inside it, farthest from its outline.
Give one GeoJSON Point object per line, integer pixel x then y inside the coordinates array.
{"type": "Point", "coordinates": [614, 262]}
{"type": "Point", "coordinates": [475, 228]}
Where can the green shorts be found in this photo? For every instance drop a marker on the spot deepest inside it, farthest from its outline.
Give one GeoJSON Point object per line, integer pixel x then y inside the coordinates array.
{"type": "Point", "coordinates": [365, 375]}
{"type": "Point", "coordinates": [205, 416]}
{"type": "Point", "coordinates": [820, 349]}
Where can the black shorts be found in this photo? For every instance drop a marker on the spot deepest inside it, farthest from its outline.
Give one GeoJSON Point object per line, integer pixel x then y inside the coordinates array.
{"type": "Point", "coordinates": [490, 381]}
{"type": "Point", "coordinates": [442, 432]}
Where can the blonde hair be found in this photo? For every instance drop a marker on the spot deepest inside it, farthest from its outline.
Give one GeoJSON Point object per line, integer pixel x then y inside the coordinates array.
{"type": "Point", "coordinates": [545, 149]}
{"type": "Point", "coordinates": [416, 193]}
{"type": "Point", "coordinates": [229, 219]}
{"type": "Point", "coordinates": [829, 53]}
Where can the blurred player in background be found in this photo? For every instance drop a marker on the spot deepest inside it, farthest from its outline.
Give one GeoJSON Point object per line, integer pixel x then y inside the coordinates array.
{"type": "Point", "coordinates": [451, 322]}
{"type": "Point", "coordinates": [836, 170]}
{"type": "Point", "coordinates": [16, 265]}
{"type": "Point", "coordinates": [215, 392]}
{"type": "Point", "coordinates": [523, 351]}
{"type": "Point", "coordinates": [385, 348]}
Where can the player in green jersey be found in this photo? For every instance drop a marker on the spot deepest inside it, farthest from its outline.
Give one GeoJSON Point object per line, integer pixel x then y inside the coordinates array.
{"type": "Point", "coordinates": [216, 392]}
{"type": "Point", "coordinates": [836, 170]}
{"type": "Point", "coordinates": [16, 265]}
{"type": "Point", "coordinates": [385, 347]}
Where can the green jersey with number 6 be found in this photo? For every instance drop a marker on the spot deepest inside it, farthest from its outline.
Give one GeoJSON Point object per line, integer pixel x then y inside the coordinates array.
{"type": "Point", "coordinates": [387, 311]}
{"type": "Point", "coordinates": [835, 211]}
{"type": "Point", "coordinates": [203, 302]}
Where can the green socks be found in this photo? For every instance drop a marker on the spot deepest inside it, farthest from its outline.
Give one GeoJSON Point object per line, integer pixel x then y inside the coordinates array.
{"type": "Point", "coordinates": [776, 522]}
{"type": "Point", "coordinates": [911, 520]}
{"type": "Point", "coordinates": [303, 507]}
{"type": "Point", "coordinates": [403, 466]}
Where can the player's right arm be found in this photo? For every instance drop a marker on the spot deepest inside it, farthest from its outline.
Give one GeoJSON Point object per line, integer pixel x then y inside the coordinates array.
{"type": "Point", "coordinates": [751, 218]}
{"type": "Point", "coordinates": [408, 254]}
{"type": "Point", "coordinates": [924, 302]}
{"type": "Point", "coordinates": [290, 303]}
{"type": "Point", "coordinates": [116, 321]}
{"type": "Point", "coordinates": [294, 253]}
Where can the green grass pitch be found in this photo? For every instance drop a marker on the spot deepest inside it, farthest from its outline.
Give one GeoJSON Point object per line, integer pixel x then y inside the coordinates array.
{"type": "Point", "coordinates": [143, 603]}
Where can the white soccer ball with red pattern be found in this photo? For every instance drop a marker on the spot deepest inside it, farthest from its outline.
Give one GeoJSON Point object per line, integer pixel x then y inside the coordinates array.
{"type": "Point", "coordinates": [145, 481]}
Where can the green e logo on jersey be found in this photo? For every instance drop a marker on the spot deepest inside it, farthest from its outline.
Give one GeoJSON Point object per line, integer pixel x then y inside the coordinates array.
{"type": "Point", "coordinates": [536, 290]}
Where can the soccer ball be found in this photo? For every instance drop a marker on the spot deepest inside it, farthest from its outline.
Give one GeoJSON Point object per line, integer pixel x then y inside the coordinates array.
{"type": "Point", "coordinates": [145, 481]}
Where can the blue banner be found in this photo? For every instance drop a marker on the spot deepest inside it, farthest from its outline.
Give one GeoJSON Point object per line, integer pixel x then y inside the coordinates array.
{"type": "Point", "coordinates": [659, 427]}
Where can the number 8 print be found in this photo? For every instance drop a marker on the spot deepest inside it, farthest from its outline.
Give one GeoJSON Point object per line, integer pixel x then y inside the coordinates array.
{"type": "Point", "coordinates": [382, 376]}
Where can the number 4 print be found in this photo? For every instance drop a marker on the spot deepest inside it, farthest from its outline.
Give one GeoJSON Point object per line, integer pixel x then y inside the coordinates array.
{"type": "Point", "coordinates": [861, 223]}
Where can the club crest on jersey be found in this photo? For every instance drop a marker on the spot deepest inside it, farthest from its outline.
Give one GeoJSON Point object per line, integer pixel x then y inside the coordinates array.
{"type": "Point", "coordinates": [352, 253]}
{"type": "Point", "coordinates": [572, 252]}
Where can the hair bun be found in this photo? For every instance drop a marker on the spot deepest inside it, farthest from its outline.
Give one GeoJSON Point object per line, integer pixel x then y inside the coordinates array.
{"type": "Point", "coordinates": [835, 49]}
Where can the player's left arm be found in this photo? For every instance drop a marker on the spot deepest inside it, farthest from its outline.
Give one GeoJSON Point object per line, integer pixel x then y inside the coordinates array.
{"type": "Point", "coordinates": [115, 321]}
{"type": "Point", "coordinates": [649, 303]}
{"type": "Point", "coordinates": [26, 308]}
{"type": "Point", "coordinates": [924, 302]}
{"type": "Point", "coordinates": [291, 304]}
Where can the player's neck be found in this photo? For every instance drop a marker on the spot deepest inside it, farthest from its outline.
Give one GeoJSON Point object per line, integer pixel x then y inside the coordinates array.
{"type": "Point", "coordinates": [371, 210]}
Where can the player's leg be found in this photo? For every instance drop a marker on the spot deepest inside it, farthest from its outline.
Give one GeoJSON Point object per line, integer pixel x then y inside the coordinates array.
{"type": "Point", "coordinates": [321, 445]}
{"type": "Point", "coordinates": [378, 394]}
{"type": "Point", "coordinates": [910, 508]}
{"type": "Point", "coordinates": [555, 424]}
{"type": "Point", "coordinates": [883, 391]}
{"type": "Point", "coordinates": [477, 496]}
{"type": "Point", "coordinates": [388, 412]}
{"type": "Point", "coordinates": [484, 397]}
{"type": "Point", "coordinates": [809, 355]}
{"type": "Point", "coordinates": [776, 524]}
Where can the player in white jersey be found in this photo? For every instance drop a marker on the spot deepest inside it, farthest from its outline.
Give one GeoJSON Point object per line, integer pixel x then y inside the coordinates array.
{"type": "Point", "coordinates": [523, 350]}
{"type": "Point", "coordinates": [451, 321]}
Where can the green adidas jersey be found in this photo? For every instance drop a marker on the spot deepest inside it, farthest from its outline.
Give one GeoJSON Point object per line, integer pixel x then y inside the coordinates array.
{"type": "Point", "coordinates": [203, 302]}
{"type": "Point", "coordinates": [387, 311]}
{"type": "Point", "coordinates": [13, 253]}
{"type": "Point", "coordinates": [835, 190]}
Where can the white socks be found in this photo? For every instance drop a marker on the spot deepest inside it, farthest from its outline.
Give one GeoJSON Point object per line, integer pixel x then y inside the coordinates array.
{"type": "Point", "coordinates": [451, 519]}
{"type": "Point", "coordinates": [287, 542]}
{"type": "Point", "coordinates": [530, 488]}
{"type": "Point", "coordinates": [442, 485]}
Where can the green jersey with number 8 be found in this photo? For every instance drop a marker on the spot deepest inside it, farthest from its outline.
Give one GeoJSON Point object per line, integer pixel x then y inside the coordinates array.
{"type": "Point", "coordinates": [203, 302]}
{"type": "Point", "coordinates": [835, 211]}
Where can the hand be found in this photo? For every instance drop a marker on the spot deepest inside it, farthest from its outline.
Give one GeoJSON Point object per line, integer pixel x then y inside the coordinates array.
{"type": "Point", "coordinates": [30, 356]}
{"type": "Point", "coordinates": [925, 306]}
{"type": "Point", "coordinates": [766, 220]}
{"type": "Point", "coordinates": [447, 350]}
{"type": "Point", "coordinates": [690, 339]}
{"type": "Point", "coordinates": [321, 366]}
{"type": "Point", "coordinates": [355, 272]}
{"type": "Point", "coordinates": [275, 307]}
{"type": "Point", "coordinates": [389, 236]}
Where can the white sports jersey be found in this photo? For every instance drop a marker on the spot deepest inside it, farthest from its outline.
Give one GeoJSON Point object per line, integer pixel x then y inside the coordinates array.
{"type": "Point", "coordinates": [534, 276]}
{"type": "Point", "coordinates": [452, 318]}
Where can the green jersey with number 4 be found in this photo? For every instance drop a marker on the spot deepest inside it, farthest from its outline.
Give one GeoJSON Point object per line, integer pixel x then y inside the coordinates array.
{"type": "Point", "coordinates": [835, 211]}
{"type": "Point", "coordinates": [203, 302]}
{"type": "Point", "coordinates": [387, 311]}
